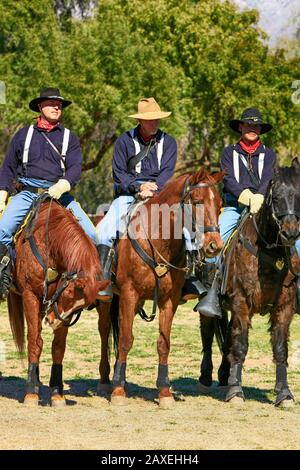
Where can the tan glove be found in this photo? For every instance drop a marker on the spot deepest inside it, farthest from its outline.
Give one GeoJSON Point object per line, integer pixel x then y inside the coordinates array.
{"type": "Point", "coordinates": [256, 202]}
{"type": "Point", "coordinates": [3, 197]}
{"type": "Point", "coordinates": [59, 188]}
{"type": "Point", "coordinates": [245, 197]}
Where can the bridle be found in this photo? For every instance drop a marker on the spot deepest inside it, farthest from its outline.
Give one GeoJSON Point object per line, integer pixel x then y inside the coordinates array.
{"type": "Point", "coordinates": [278, 217]}
{"type": "Point", "coordinates": [186, 193]}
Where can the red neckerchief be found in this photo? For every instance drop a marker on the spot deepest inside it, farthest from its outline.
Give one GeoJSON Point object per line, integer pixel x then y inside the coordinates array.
{"type": "Point", "coordinates": [144, 137]}
{"type": "Point", "coordinates": [249, 148]}
{"type": "Point", "coordinates": [45, 125]}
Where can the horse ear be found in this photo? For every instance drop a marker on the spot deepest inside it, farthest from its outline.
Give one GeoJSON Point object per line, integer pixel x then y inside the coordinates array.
{"type": "Point", "coordinates": [217, 177]}
{"type": "Point", "coordinates": [295, 162]}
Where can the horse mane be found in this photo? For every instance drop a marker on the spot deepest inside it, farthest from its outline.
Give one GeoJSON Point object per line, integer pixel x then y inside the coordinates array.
{"type": "Point", "coordinates": [68, 242]}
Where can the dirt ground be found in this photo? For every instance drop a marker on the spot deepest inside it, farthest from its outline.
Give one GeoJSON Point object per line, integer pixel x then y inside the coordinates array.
{"type": "Point", "coordinates": [196, 422]}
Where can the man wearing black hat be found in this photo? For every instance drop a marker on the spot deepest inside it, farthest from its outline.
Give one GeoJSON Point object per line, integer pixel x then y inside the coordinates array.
{"type": "Point", "coordinates": [41, 157]}
{"type": "Point", "coordinates": [248, 165]}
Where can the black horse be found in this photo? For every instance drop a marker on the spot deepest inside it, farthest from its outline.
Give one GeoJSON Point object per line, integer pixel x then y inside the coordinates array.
{"type": "Point", "coordinates": [263, 277]}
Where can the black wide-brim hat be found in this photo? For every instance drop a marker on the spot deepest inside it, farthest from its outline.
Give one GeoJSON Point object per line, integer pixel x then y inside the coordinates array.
{"type": "Point", "coordinates": [48, 94]}
{"type": "Point", "coordinates": [251, 116]}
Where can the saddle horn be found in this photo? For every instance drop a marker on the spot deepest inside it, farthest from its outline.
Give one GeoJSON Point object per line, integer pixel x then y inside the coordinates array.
{"type": "Point", "coordinates": [209, 305]}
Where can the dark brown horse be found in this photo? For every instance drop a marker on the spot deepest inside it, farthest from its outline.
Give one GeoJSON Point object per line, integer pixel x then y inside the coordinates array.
{"type": "Point", "coordinates": [145, 260]}
{"type": "Point", "coordinates": [55, 241]}
{"type": "Point", "coordinates": [263, 274]}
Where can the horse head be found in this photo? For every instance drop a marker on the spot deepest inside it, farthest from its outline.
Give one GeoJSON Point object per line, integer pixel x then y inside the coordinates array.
{"type": "Point", "coordinates": [284, 201]}
{"type": "Point", "coordinates": [203, 194]}
{"type": "Point", "coordinates": [79, 293]}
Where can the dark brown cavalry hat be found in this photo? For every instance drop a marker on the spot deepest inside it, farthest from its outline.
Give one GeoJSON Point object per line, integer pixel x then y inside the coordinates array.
{"type": "Point", "coordinates": [251, 116]}
{"type": "Point", "coordinates": [48, 94]}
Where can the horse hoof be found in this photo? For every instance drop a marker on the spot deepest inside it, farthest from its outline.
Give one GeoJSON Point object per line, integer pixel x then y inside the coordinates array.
{"type": "Point", "coordinates": [31, 399]}
{"type": "Point", "coordinates": [166, 403]}
{"type": "Point", "coordinates": [236, 400]}
{"type": "Point", "coordinates": [287, 403]}
{"type": "Point", "coordinates": [104, 389]}
{"type": "Point", "coordinates": [118, 400]}
{"type": "Point", "coordinates": [58, 401]}
{"type": "Point", "coordinates": [202, 388]}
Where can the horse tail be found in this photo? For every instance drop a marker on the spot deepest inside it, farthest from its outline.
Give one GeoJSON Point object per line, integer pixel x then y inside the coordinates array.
{"type": "Point", "coordinates": [16, 320]}
{"type": "Point", "coordinates": [114, 317]}
{"type": "Point", "coordinates": [221, 330]}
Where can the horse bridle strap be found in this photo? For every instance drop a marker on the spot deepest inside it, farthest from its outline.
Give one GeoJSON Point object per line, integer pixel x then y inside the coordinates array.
{"type": "Point", "coordinates": [49, 304]}
{"type": "Point", "coordinates": [187, 189]}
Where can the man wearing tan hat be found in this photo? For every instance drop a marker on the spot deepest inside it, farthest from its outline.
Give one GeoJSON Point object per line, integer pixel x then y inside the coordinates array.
{"type": "Point", "coordinates": [143, 161]}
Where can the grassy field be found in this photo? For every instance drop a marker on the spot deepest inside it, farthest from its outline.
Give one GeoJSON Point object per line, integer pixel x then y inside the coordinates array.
{"type": "Point", "coordinates": [196, 422]}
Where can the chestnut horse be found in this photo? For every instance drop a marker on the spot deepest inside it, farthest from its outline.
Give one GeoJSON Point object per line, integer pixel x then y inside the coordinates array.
{"type": "Point", "coordinates": [56, 241]}
{"type": "Point", "coordinates": [263, 273]}
{"type": "Point", "coordinates": [137, 275]}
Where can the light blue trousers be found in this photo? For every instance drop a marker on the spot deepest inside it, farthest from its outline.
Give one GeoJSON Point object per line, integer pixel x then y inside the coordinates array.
{"type": "Point", "coordinates": [228, 222]}
{"type": "Point", "coordinates": [114, 220]}
{"type": "Point", "coordinates": [19, 206]}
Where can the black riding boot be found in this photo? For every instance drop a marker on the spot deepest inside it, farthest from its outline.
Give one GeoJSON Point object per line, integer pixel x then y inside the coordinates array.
{"type": "Point", "coordinates": [106, 255]}
{"type": "Point", "coordinates": [5, 271]}
{"type": "Point", "coordinates": [209, 305]}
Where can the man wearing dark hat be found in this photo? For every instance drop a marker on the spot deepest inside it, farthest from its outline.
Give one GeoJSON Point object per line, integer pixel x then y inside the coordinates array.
{"type": "Point", "coordinates": [41, 157]}
{"type": "Point", "coordinates": [248, 165]}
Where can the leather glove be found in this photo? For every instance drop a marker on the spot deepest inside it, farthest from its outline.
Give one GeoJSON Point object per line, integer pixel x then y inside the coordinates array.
{"type": "Point", "coordinates": [3, 197]}
{"type": "Point", "coordinates": [58, 189]}
{"type": "Point", "coordinates": [245, 197]}
{"type": "Point", "coordinates": [256, 202]}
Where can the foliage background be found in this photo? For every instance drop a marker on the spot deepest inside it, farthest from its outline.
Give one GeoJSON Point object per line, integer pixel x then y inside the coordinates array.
{"type": "Point", "coordinates": [203, 60]}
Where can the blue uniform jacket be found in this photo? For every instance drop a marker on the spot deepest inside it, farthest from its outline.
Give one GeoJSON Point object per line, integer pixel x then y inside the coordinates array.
{"type": "Point", "coordinates": [128, 180]}
{"type": "Point", "coordinates": [231, 185]}
{"type": "Point", "coordinates": [43, 161]}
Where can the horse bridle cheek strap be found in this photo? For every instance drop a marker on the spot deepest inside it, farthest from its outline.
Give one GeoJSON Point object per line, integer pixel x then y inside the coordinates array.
{"type": "Point", "coordinates": [66, 277]}
{"type": "Point", "coordinates": [187, 190]}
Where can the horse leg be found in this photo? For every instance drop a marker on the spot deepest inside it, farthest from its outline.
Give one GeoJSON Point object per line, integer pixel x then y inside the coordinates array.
{"type": "Point", "coordinates": [207, 331]}
{"type": "Point", "coordinates": [166, 314]}
{"type": "Point", "coordinates": [57, 398]}
{"type": "Point", "coordinates": [104, 327]}
{"type": "Point", "coordinates": [238, 352]}
{"type": "Point", "coordinates": [127, 308]}
{"type": "Point", "coordinates": [279, 329]}
{"type": "Point", "coordinates": [224, 369]}
{"type": "Point", "coordinates": [31, 307]}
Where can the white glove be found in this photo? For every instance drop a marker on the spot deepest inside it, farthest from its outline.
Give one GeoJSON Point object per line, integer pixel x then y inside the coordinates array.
{"type": "Point", "coordinates": [245, 197]}
{"type": "Point", "coordinates": [3, 197]}
{"type": "Point", "coordinates": [256, 202]}
{"type": "Point", "coordinates": [59, 188]}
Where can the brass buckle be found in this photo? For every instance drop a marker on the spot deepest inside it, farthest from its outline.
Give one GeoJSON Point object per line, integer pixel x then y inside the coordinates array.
{"type": "Point", "coordinates": [5, 260]}
{"type": "Point", "coordinates": [280, 264]}
{"type": "Point", "coordinates": [161, 269]}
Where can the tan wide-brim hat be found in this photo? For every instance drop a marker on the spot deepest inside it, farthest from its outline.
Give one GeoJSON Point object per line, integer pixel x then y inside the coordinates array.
{"type": "Point", "coordinates": [149, 109]}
